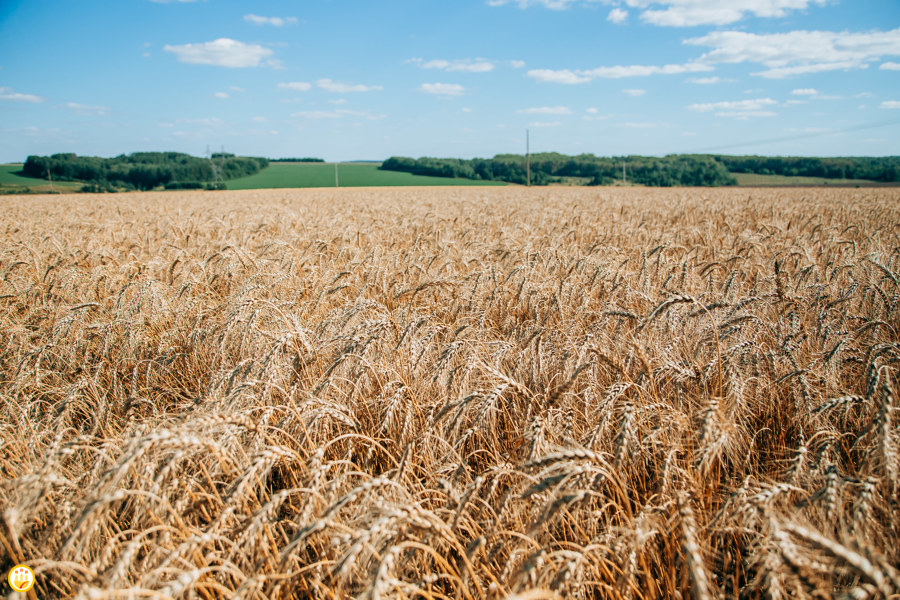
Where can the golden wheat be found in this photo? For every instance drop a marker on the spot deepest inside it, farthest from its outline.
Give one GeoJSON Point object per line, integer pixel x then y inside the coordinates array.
{"type": "Point", "coordinates": [452, 393]}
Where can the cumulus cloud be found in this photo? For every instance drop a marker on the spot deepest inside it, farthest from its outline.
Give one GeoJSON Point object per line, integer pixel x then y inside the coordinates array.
{"type": "Point", "coordinates": [345, 88]}
{"type": "Point", "coordinates": [734, 105]}
{"type": "Point", "coordinates": [617, 16]}
{"type": "Point", "coordinates": [738, 108]}
{"type": "Point", "coordinates": [705, 80]}
{"type": "Point", "coordinates": [546, 110]}
{"type": "Point", "coordinates": [890, 104]}
{"type": "Point", "coordinates": [890, 66]}
{"type": "Point", "coordinates": [690, 13]}
{"type": "Point", "coordinates": [805, 92]}
{"type": "Point", "coordinates": [634, 93]}
{"type": "Point", "coordinates": [681, 13]}
{"type": "Point", "coordinates": [297, 86]}
{"type": "Point", "coordinates": [551, 4]}
{"type": "Point", "coordinates": [13, 96]}
{"type": "Point", "coordinates": [222, 95]}
{"type": "Point", "coordinates": [442, 89]}
{"type": "Point", "coordinates": [479, 65]}
{"type": "Point", "coordinates": [618, 72]}
{"type": "Point", "coordinates": [88, 111]}
{"type": "Point", "coordinates": [276, 21]}
{"type": "Point", "coordinates": [223, 52]}
{"type": "Point", "coordinates": [568, 76]}
{"type": "Point", "coordinates": [316, 115]}
{"type": "Point", "coordinates": [564, 76]}
{"type": "Point", "coordinates": [798, 52]}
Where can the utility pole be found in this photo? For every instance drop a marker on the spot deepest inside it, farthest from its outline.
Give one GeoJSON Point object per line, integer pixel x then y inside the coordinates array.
{"type": "Point", "coordinates": [528, 158]}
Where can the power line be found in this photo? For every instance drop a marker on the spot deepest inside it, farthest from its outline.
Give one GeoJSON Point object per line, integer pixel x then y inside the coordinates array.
{"type": "Point", "coordinates": [796, 137]}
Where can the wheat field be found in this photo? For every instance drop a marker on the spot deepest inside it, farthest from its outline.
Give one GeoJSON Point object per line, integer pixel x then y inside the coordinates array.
{"type": "Point", "coordinates": [452, 393]}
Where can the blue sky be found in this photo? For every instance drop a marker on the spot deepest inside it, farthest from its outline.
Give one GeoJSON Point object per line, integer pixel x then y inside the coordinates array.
{"type": "Point", "coordinates": [367, 79]}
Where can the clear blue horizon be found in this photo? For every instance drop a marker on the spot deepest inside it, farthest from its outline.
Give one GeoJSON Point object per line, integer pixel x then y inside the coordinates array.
{"type": "Point", "coordinates": [348, 79]}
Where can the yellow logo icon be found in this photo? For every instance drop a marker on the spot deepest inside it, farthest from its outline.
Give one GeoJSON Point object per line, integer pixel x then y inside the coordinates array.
{"type": "Point", "coordinates": [21, 578]}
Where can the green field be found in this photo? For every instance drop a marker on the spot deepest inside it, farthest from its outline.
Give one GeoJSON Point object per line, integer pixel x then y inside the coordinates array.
{"type": "Point", "coordinates": [304, 175]}
{"type": "Point", "coordinates": [11, 183]}
{"type": "Point", "coordinates": [755, 180]}
{"type": "Point", "coordinates": [311, 175]}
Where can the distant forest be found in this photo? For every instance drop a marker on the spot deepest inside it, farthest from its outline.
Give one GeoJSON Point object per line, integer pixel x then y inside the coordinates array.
{"type": "Point", "coordinates": [144, 170]}
{"type": "Point", "coordinates": [175, 170]}
{"type": "Point", "coordinates": [309, 159]}
{"type": "Point", "coordinates": [885, 169]}
{"type": "Point", "coordinates": [672, 170]}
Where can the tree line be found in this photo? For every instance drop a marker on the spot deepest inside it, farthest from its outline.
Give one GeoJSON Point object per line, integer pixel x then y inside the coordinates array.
{"type": "Point", "coordinates": [585, 169]}
{"type": "Point", "coordinates": [143, 170]}
{"type": "Point", "coordinates": [671, 170]}
{"type": "Point", "coordinates": [307, 159]}
{"type": "Point", "coordinates": [883, 168]}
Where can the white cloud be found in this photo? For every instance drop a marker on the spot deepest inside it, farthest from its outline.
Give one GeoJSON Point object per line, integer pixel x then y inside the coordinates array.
{"type": "Point", "coordinates": [737, 105]}
{"type": "Point", "coordinates": [259, 119]}
{"type": "Point", "coordinates": [617, 72]}
{"type": "Point", "coordinates": [634, 93]}
{"type": "Point", "coordinates": [782, 72]}
{"type": "Point", "coordinates": [562, 76]}
{"type": "Point", "coordinates": [890, 104]}
{"type": "Point", "coordinates": [222, 95]}
{"type": "Point", "coordinates": [210, 122]}
{"type": "Point", "coordinates": [799, 52]}
{"type": "Point", "coordinates": [317, 114]}
{"type": "Point", "coordinates": [276, 21]}
{"type": "Point", "coordinates": [617, 16]}
{"type": "Point", "coordinates": [805, 92]}
{"type": "Point", "coordinates": [345, 88]}
{"type": "Point", "coordinates": [223, 52]}
{"type": "Point", "coordinates": [545, 124]}
{"type": "Point", "coordinates": [477, 66]}
{"type": "Point", "coordinates": [442, 89]}
{"type": "Point", "coordinates": [551, 4]}
{"type": "Point", "coordinates": [705, 80]}
{"type": "Point", "coordinates": [740, 109]}
{"type": "Point", "coordinates": [235, 88]}
{"type": "Point", "coordinates": [546, 110]}
{"type": "Point", "coordinates": [690, 13]}
{"type": "Point", "coordinates": [13, 96]}
{"type": "Point", "coordinates": [517, 64]}
{"type": "Point", "coordinates": [338, 101]}
{"type": "Point", "coordinates": [297, 86]}
{"type": "Point", "coordinates": [335, 114]}
{"type": "Point", "coordinates": [890, 66]}
{"type": "Point", "coordinates": [746, 114]}
{"type": "Point", "coordinates": [83, 109]}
